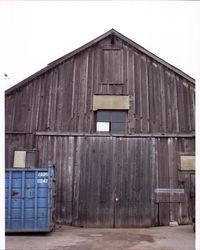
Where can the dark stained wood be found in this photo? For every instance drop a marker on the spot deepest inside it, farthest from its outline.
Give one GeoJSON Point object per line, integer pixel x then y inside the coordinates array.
{"type": "Point", "coordinates": [131, 86]}
{"type": "Point", "coordinates": [173, 179]}
{"type": "Point", "coordinates": [76, 180]}
{"type": "Point", "coordinates": [163, 98]}
{"type": "Point", "coordinates": [151, 99]}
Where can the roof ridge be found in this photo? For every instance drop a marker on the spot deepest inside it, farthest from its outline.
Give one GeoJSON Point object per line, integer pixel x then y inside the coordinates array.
{"type": "Point", "coordinates": [96, 40]}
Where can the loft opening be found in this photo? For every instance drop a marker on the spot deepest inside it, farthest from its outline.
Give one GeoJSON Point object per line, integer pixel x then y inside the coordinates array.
{"type": "Point", "coordinates": [112, 66]}
{"type": "Point", "coordinates": [111, 121]}
{"type": "Point", "coordinates": [111, 113]}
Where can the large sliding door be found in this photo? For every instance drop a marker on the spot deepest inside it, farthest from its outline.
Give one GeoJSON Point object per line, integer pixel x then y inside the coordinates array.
{"type": "Point", "coordinates": [111, 183]}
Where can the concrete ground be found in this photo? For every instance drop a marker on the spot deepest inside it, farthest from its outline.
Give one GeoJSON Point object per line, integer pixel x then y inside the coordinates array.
{"type": "Point", "coordinates": [73, 238]}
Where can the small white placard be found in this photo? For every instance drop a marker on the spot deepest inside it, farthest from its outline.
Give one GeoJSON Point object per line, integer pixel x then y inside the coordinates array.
{"type": "Point", "coordinates": [19, 159]}
{"type": "Point", "coordinates": [188, 162]}
{"type": "Point", "coordinates": [103, 126]}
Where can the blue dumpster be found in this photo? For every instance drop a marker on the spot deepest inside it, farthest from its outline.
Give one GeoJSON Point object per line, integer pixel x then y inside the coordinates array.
{"type": "Point", "coordinates": [30, 199]}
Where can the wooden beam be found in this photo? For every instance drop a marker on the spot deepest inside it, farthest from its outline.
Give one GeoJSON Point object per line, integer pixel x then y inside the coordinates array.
{"type": "Point", "coordinates": [41, 133]}
{"type": "Point", "coordinates": [18, 133]}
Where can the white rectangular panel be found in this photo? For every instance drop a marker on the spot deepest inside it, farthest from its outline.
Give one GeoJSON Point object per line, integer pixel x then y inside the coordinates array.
{"type": "Point", "coordinates": [103, 126]}
{"type": "Point", "coordinates": [19, 159]}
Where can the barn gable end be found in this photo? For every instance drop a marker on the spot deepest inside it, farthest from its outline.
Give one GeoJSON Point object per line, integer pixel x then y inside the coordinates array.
{"type": "Point", "coordinates": [116, 120]}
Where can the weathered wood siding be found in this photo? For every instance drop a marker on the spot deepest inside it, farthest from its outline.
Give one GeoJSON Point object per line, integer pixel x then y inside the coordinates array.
{"type": "Point", "coordinates": [61, 98]}
{"type": "Point", "coordinates": [93, 171]}
{"type": "Point", "coordinates": [16, 142]}
{"type": "Point", "coordinates": [166, 174]}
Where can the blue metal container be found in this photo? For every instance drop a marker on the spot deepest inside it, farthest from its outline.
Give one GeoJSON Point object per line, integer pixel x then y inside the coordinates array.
{"type": "Point", "coordinates": [30, 199]}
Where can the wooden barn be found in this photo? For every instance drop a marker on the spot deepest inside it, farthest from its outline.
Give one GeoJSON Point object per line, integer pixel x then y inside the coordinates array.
{"type": "Point", "coordinates": [119, 124]}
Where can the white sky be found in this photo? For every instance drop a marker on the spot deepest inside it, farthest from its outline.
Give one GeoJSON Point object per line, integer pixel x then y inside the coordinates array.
{"type": "Point", "coordinates": [35, 33]}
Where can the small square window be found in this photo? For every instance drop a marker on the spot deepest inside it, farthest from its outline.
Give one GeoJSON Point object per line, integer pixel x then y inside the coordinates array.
{"type": "Point", "coordinates": [103, 116]}
{"type": "Point", "coordinates": [111, 121]}
{"type": "Point", "coordinates": [118, 127]}
{"type": "Point", "coordinates": [118, 116]}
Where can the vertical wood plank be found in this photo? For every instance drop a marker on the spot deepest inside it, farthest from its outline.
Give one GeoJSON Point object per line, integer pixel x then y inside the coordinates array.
{"type": "Point", "coordinates": [76, 181]}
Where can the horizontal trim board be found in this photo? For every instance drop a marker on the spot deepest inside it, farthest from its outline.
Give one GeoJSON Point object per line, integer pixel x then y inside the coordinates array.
{"type": "Point", "coordinates": [113, 135]}
{"type": "Point", "coordinates": [18, 133]}
{"type": "Point", "coordinates": [100, 135]}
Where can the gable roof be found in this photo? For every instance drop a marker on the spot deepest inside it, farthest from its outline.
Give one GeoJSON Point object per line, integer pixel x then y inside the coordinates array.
{"type": "Point", "coordinates": [87, 45]}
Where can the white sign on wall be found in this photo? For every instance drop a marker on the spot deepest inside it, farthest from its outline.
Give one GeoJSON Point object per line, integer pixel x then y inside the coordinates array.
{"type": "Point", "coordinates": [19, 159]}
{"type": "Point", "coordinates": [103, 126]}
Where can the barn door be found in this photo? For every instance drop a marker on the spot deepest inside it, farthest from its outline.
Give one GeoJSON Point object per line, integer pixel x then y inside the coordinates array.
{"type": "Point", "coordinates": [123, 184]}
{"type": "Point", "coordinates": [111, 183]}
{"type": "Point", "coordinates": [132, 206]}
{"type": "Point", "coordinates": [93, 183]}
